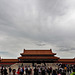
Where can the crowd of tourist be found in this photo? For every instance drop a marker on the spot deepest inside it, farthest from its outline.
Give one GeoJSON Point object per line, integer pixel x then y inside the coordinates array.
{"type": "Point", "coordinates": [40, 70]}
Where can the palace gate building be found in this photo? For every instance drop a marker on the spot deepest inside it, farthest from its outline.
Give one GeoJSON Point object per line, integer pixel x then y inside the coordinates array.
{"type": "Point", "coordinates": [37, 56]}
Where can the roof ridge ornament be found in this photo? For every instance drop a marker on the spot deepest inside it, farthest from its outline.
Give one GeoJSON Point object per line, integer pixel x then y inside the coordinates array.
{"type": "Point", "coordinates": [24, 50]}
{"type": "Point", "coordinates": [51, 50]}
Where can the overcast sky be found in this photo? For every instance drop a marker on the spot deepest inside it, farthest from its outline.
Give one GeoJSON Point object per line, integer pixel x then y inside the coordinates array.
{"type": "Point", "coordinates": [37, 24]}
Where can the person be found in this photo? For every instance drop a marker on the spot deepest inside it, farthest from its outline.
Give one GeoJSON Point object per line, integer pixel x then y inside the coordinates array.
{"type": "Point", "coordinates": [2, 70]}
{"type": "Point", "coordinates": [65, 68]}
{"type": "Point", "coordinates": [21, 71]}
{"type": "Point", "coordinates": [39, 70]}
{"type": "Point", "coordinates": [5, 71]}
{"type": "Point", "coordinates": [58, 73]}
{"type": "Point", "coordinates": [18, 72]}
{"type": "Point", "coordinates": [48, 71]}
{"type": "Point", "coordinates": [63, 73]}
{"type": "Point", "coordinates": [73, 73]}
{"type": "Point", "coordinates": [54, 72]}
{"type": "Point", "coordinates": [14, 71]}
{"type": "Point", "coordinates": [43, 70]}
{"type": "Point", "coordinates": [35, 71]}
{"type": "Point", "coordinates": [9, 70]}
{"type": "Point", "coordinates": [26, 70]}
{"type": "Point", "coordinates": [29, 70]}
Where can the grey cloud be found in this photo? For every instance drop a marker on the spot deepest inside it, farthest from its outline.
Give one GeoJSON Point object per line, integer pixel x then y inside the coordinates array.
{"type": "Point", "coordinates": [3, 52]}
{"type": "Point", "coordinates": [54, 8]}
{"type": "Point", "coordinates": [22, 22]}
{"type": "Point", "coordinates": [40, 43]}
{"type": "Point", "coordinates": [67, 49]}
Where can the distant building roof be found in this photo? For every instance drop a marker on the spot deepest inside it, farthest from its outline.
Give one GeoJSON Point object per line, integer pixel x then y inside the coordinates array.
{"type": "Point", "coordinates": [9, 60]}
{"type": "Point", "coordinates": [38, 52]}
{"type": "Point", "coordinates": [66, 60]}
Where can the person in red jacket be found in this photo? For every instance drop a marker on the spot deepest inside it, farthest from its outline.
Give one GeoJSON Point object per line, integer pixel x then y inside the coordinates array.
{"type": "Point", "coordinates": [18, 72]}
